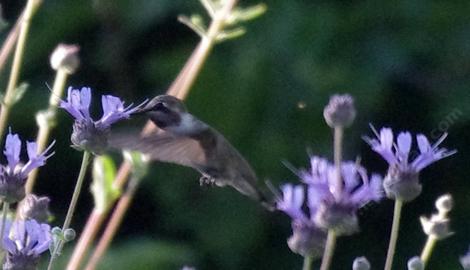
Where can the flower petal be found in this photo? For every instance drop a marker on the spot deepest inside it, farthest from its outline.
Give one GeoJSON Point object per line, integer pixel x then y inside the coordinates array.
{"type": "Point", "coordinates": [403, 146]}
{"type": "Point", "coordinates": [12, 150]}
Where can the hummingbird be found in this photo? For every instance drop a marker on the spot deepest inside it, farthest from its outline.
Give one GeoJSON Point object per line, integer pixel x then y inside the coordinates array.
{"type": "Point", "coordinates": [188, 141]}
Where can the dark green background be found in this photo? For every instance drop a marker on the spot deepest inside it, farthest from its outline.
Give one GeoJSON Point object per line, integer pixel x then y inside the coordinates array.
{"type": "Point", "coordinates": [407, 63]}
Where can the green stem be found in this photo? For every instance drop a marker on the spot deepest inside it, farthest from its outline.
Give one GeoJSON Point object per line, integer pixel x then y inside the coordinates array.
{"type": "Point", "coordinates": [9, 97]}
{"type": "Point", "coordinates": [329, 250]}
{"type": "Point", "coordinates": [394, 234]}
{"type": "Point", "coordinates": [73, 204]}
{"type": "Point", "coordinates": [428, 248]}
{"type": "Point", "coordinates": [307, 263]}
{"type": "Point", "coordinates": [47, 122]}
{"type": "Point", "coordinates": [6, 208]}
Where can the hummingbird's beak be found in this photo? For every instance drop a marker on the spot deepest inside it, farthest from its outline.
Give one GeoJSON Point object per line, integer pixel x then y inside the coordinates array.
{"type": "Point", "coordinates": [143, 109]}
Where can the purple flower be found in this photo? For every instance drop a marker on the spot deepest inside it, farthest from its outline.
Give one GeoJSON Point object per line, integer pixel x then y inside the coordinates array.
{"type": "Point", "coordinates": [307, 239]}
{"type": "Point", "coordinates": [333, 207]}
{"type": "Point", "coordinates": [13, 175]}
{"type": "Point", "coordinates": [89, 134]}
{"type": "Point", "coordinates": [24, 242]}
{"type": "Point", "coordinates": [402, 180]}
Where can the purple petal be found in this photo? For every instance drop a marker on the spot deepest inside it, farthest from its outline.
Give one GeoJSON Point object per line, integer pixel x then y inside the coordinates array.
{"type": "Point", "coordinates": [371, 191]}
{"type": "Point", "coordinates": [429, 154]}
{"type": "Point", "coordinates": [403, 146]}
{"type": "Point", "coordinates": [423, 143]}
{"type": "Point", "coordinates": [35, 160]}
{"type": "Point", "coordinates": [383, 146]}
{"type": "Point", "coordinates": [12, 150]}
{"type": "Point", "coordinates": [317, 193]}
{"type": "Point", "coordinates": [349, 175]}
{"type": "Point", "coordinates": [78, 103]}
{"type": "Point", "coordinates": [292, 201]}
{"type": "Point", "coordinates": [113, 111]}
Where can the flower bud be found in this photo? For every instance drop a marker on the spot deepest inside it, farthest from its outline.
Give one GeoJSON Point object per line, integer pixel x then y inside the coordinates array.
{"type": "Point", "coordinates": [436, 226]}
{"type": "Point", "coordinates": [340, 111]}
{"type": "Point", "coordinates": [35, 207]}
{"type": "Point", "coordinates": [69, 235]}
{"type": "Point", "coordinates": [415, 263]}
{"type": "Point", "coordinates": [361, 263]}
{"type": "Point", "coordinates": [65, 57]}
{"type": "Point", "coordinates": [307, 240]}
{"type": "Point", "coordinates": [444, 203]}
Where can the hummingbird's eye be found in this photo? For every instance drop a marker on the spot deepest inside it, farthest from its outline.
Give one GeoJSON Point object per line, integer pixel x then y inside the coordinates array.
{"type": "Point", "coordinates": [160, 107]}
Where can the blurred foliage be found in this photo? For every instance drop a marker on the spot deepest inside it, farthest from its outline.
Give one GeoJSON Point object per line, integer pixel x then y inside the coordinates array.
{"type": "Point", "coordinates": [405, 61]}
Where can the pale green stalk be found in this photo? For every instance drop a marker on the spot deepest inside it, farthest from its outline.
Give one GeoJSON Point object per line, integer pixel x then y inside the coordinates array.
{"type": "Point", "coordinates": [10, 93]}
{"type": "Point", "coordinates": [329, 250]}
{"type": "Point", "coordinates": [428, 248]}
{"type": "Point", "coordinates": [46, 120]}
{"type": "Point", "coordinates": [394, 234]}
{"type": "Point", "coordinates": [331, 238]}
{"type": "Point", "coordinates": [307, 263]}
{"type": "Point", "coordinates": [73, 204]}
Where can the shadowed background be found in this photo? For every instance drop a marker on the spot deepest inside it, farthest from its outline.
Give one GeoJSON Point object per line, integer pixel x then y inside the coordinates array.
{"type": "Point", "coordinates": [407, 63]}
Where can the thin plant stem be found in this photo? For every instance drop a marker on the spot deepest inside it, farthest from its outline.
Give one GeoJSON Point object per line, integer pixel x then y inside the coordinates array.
{"type": "Point", "coordinates": [394, 234]}
{"type": "Point", "coordinates": [186, 78]}
{"type": "Point", "coordinates": [10, 42]}
{"type": "Point", "coordinates": [46, 125]}
{"type": "Point", "coordinates": [73, 204]}
{"type": "Point", "coordinates": [179, 88]}
{"type": "Point", "coordinates": [331, 238]}
{"type": "Point", "coordinates": [307, 263]}
{"type": "Point", "coordinates": [428, 248]}
{"type": "Point", "coordinates": [113, 224]}
{"type": "Point", "coordinates": [10, 92]}
{"type": "Point", "coordinates": [329, 250]}
{"type": "Point", "coordinates": [95, 220]}
{"type": "Point", "coordinates": [6, 208]}
{"type": "Point", "coordinates": [338, 150]}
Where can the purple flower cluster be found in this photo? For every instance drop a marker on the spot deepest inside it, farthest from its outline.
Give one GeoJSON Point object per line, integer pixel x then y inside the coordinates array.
{"type": "Point", "coordinates": [402, 180]}
{"type": "Point", "coordinates": [13, 175]}
{"type": "Point", "coordinates": [328, 206]}
{"type": "Point", "coordinates": [88, 134]}
{"type": "Point", "coordinates": [24, 242]}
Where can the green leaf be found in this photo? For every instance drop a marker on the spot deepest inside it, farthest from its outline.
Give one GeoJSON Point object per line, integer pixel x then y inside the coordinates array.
{"type": "Point", "coordinates": [246, 14]}
{"type": "Point", "coordinates": [138, 162]}
{"type": "Point", "coordinates": [102, 188]}
{"type": "Point", "coordinates": [195, 22]}
{"type": "Point", "coordinates": [231, 34]}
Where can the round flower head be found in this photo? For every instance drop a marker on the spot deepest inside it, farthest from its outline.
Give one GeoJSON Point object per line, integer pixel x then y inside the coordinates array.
{"type": "Point", "coordinates": [340, 111]}
{"type": "Point", "coordinates": [333, 209]}
{"type": "Point", "coordinates": [65, 57]}
{"type": "Point", "coordinates": [24, 242]}
{"type": "Point", "coordinates": [361, 263]}
{"type": "Point", "coordinates": [402, 180]}
{"type": "Point", "coordinates": [13, 175]}
{"type": "Point", "coordinates": [88, 134]}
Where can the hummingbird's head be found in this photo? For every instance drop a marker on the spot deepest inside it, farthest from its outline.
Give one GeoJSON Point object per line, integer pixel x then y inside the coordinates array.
{"type": "Point", "coordinates": [164, 110]}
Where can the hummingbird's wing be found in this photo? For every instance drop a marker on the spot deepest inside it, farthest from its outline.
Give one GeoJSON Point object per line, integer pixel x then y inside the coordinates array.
{"type": "Point", "coordinates": [163, 146]}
